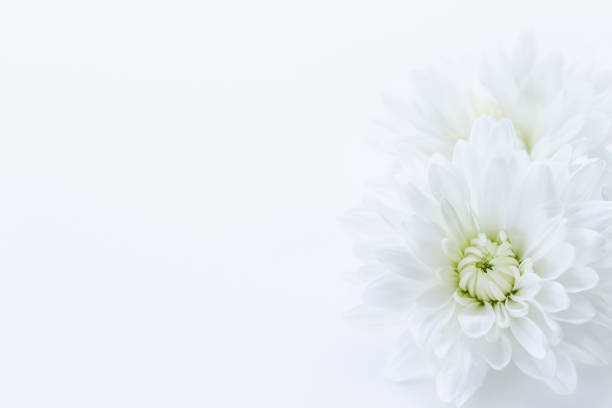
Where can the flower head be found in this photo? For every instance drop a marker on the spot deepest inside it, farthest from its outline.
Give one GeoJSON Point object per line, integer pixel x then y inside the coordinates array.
{"type": "Point", "coordinates": [550, 103]}
{"type": "Point", "coordinates": [494, 258]}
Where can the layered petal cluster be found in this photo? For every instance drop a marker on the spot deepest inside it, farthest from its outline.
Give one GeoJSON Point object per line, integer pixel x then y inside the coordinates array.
{"type": "Point", "coordinates": [494, 258]}
{"type": "Point", "coordinates": [550, 103]}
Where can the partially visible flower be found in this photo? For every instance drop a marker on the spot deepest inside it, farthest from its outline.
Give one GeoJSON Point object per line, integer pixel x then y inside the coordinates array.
{"type": "Point", "coordinates": [494, 258]}
{"type": "Point", "coordinates": [550, 104]}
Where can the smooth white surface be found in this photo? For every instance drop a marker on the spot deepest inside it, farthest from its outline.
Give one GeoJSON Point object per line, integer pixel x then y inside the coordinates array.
{"type": "Point", "coordinates": [171, 174]}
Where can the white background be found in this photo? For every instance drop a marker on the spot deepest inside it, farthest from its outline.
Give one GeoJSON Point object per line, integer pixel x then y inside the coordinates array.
{"type": "Point", "coordinates": [171, 174]}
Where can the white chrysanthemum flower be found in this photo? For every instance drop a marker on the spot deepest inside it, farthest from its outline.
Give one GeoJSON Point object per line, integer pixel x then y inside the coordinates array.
{"type": "Point", "coordinates": [550, 104]}
{"type": "Point", "coordinates": [495, 258]}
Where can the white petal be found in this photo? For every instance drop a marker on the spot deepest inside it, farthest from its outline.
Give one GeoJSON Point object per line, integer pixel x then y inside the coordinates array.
{"type": "Point", "coordinates": [596, 129]}
{"type": "Point", "coordinates": [564, 380]}
{"type": "Point", "coordinates": [390, 292]}
{"type": "Point", "coordinates": [529, 336]}
{"type": "Point", "coordinates": [528, 286]}
{"type": "Point", "coordinates": [538, 188]}
{"type": "Point", "coordinates": [398, 260]}
{"type": "Point", "coordinates": [436, 297]}
{"type": "Point", "coordinates": [516, 308]}
{"type": "Point", "coordinates": [497, 353]}
{"type": "Point", "coordinates": [476, 319]}
{"type": "Point", "coordinates": [552, 297]}
{"type": "Point", "coordinates": [590, 245]}
{"type": "Point", "coordinates": [433, 323]}
{"type": "Point", "coordinates": [604, 312]}
{"type": "Point", "coordinates": [449, 110]}
{"type": "Point", "coordinates": [584, 181]}
{"type": "Point", "coordinates": [418, 202]}
{"type": "Point", "coordinates": [589, 345]}
{"type": "Point", "coordinates": [473, 380]}
{"type": "Point", "coordinates": [500, 82]}
{"type": "Point", "coordinates": [364, 223]}
{"type": "Point", "coordinates": [491, 209]}
{"type": "Point", "coordinates": [407, 362]}
{"type": "Point", "coordinates": [501, 316]}
{"type": "Point", "coordinates": [523, 57]}
{"type": "Point", "coordinates": [546, 78]}
{"type": "Point", "coordinates": [579, 311]}
{"type": "Point", "coordinates": [447, 383]}
{"type": "Point", "coordinates": [558, 260]}
{"type": "Point", "coordinates": [579, 279]}
{"type": "Point", "coordinates": [449, 186]}
{"type": "Point", "coordinates": [596, 215]}
{"type": "Point", "coordinates": [461, 226]}
{"type": "Point", "coordinates": [425, 241]}
{"type": "Point", "coordinates": [541, 369]}
{"type": "Point", "coordinates": [451, 250]}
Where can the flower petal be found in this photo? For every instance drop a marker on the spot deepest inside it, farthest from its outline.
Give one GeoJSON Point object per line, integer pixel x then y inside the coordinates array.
{"type": "Point", "coordinates": [528, 286]}
{"type": "Point", "coordinates": [579, 311]}
{"type": "Point", "coordinates": [523, 57]}
{"type": "Point", "coordinates": [579, 279]}
{"type": "Point", "coordinates": [390, 292]}
{"type": "Point", "coordinates": [552, 297]}
{"type": "Point", "coordinates": [516, 308]}
{"type": "Point", "coordinates": [564, 380]}
{"type": "Point", "coordinates": [497, 353]}
{"type": "Point", "coordinates": [424, 238]}
{"type": "Point", "coordinates": [407, 362]}
{"type": "Point", "coordinates": [403, 263]}
{"type": "Point", "coordinates": [540, 369]}
{"type": "Point", "coordinates": [558, 260]}
{"type": "Point", "coordinates": [449, 186]}
{"type": "Point", "coordinates": [436, 297]}
{"type": "Point", "coordinates": [584, 181]}
{"type": "Point", "coordinates": [448, 380]}
{"type": "Point", "coordinates": [590, 245]}
{"type": "Point", "coordinates": [529, 336]}
{"type": "Point", "coordinates": [476, 319]}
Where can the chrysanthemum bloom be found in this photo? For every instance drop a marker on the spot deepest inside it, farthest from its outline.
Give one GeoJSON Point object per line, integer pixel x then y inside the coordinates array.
{"type": "Point", "coordinates": [550, 104]}
{"type": "Point", "coordinates": [494, 259]}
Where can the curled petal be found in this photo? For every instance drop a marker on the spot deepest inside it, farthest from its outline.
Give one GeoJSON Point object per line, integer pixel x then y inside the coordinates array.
{"type": "Point", "coordinates": [476, 319]}
{"type": "Point", "coordinates": [553, 298]}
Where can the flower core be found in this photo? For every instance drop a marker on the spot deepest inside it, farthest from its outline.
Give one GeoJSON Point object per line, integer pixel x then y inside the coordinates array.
{"type": "Point", "coordinates": [489, 268]}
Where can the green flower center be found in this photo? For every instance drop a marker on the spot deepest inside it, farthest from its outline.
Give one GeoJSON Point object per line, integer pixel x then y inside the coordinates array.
{"type": "Point", "coordinates": [489, 268]}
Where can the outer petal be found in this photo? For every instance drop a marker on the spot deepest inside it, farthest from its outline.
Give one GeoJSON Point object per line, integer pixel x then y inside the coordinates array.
{"type": "Point", "coordinates": [584, 181]}
{"type": "Point", "coordinates": [448, 381]}
{"type": "Point", "coordinates": [590, 245]}
{"type": "Point", "coordinates": [425, 240]}
{"type": "Point", "coordinates": [564, 380]}
{"type": "Point", "coordinates": [529, 336]}
{"type": "Point", "coordinates": [390, 292]}
{"type": "Point", "coordinates": [497, 353]}
{"type": "Point", "coordinates": [541, 369]}
{"type": "Point", "coordinates": [558, 260]}
{"type": "Point", "coordinates": [579, 279]}
{"type": "Point", "coordinates": [403, 263]}
{"type": "Point", "coordinates": [523, 57]}
{"type": "Point", "coordinates": [407, 362]}
{"type": "Point", "coordinates": [552, 297]}
{"type": "Point", "coordinates": [580, 311]}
